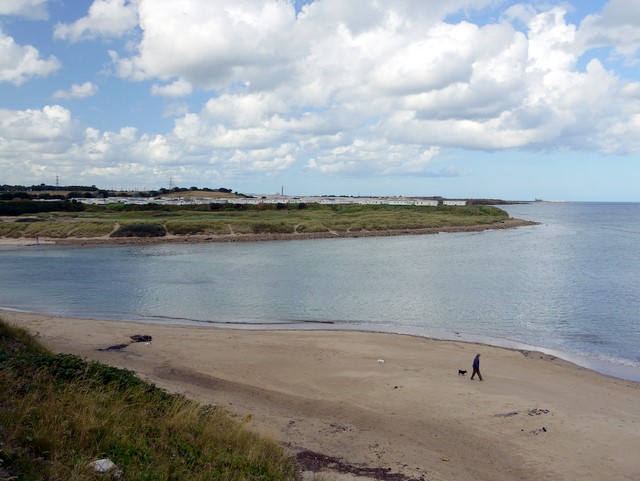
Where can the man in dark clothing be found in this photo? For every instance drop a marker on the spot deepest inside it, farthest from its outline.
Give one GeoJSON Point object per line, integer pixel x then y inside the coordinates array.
{"type": "Point", "coordinates": [476, 367]}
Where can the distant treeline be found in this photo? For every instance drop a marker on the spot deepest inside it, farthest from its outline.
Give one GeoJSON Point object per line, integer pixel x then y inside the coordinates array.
{"type": "Point", "coordinates": [42, 191]}
{"type": "Point", "coordinates": [45, 196]}
{"type": "Point", "coordinates": [45, 187]}
{"type": "Point", "coordinates": [35, 207]}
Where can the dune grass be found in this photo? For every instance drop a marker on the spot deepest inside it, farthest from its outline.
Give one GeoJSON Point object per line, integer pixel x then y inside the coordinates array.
{"type": "Point", "coordinates": [186, 226]}
{"type": "Point", "coordinates": [98, 221]}
{"type": "Point", "coordinates": [56, 229]}
{"type": "Point", "coordinates": [59, 413]}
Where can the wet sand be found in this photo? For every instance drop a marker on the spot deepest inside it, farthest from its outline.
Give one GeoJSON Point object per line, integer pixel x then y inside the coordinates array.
{"type": "Point", "coordinates": [328, 397]}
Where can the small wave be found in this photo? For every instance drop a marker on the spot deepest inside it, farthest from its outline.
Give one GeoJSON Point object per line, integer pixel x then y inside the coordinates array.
{"type": "Point", "coordinates": [255, 322]}
{"type": "Point", "coordinates": [618, 361]}
{"type": "Point", "coordinates": [13, 309]}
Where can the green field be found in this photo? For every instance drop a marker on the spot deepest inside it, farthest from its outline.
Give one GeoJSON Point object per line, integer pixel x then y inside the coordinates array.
{"type": "Point", "coordinates": [213, 220]}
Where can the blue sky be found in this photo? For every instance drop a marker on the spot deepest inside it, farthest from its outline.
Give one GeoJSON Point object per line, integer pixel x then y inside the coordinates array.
{"type": "Point", "coordinates": [457, 98]}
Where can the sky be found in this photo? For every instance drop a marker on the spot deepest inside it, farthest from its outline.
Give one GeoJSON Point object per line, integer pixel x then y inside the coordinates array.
{"type": "Point", "coordinates": [453, 98]}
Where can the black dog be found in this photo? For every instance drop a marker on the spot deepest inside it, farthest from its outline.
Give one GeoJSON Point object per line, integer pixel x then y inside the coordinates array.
{"type": "Point", "coordinates": [461, 372]}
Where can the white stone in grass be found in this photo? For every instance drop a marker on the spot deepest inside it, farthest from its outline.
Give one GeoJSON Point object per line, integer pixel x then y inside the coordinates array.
{"type": "Point", "coordinates": [103, 465]}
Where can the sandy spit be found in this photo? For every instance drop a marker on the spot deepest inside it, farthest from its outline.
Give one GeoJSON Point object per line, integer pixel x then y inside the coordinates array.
{"type": "Point", "coordinates": [106, 240]}
{"type": "Point", "coordinates": [384, 406]}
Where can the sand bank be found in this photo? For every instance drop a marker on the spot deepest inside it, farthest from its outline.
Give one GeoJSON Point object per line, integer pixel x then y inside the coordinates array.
{"type": "Point", "coordinates": [107, 240]}
{"type": "Point", "coordinates": [533, 417]}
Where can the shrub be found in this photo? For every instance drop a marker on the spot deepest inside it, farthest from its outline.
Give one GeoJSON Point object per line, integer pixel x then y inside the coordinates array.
{"type": "Point", "coordinates": [14, 195]}
{"type": "Point", "coordinates": [34, 206]}
{"type": "Point", "coordinates": [79, 195]}
{"type": "Point", "coordinates": [91, 229]}
{"type": "Point", "coordinates": [272, 228]}
{"type": "Point", "coordinates": [311, 226]}
{"type": "Point", "coordinates": [141, 230]}
{"type": "Point", "coordinates": [240, 227]}
{"type": "Point", "coordinates": [191, 227]}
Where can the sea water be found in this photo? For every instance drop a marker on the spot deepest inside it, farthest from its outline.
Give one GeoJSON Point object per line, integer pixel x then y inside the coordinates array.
{"type": "Point", "coordinates": [569, 286]}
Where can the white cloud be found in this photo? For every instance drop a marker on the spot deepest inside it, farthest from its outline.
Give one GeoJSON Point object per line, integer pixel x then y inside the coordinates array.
{"type": "Point", "coordinates": [38, 144]}
{"type": "Point", "coordinates": [551, 41]}
{"type": "Point", "coordinates": [442, 57]}
{"type": "Point", "coordinates": [77, 91]}
{"type": "Point", "coordinates": [30, 9]}
{"type": "Point", "coordinates": [374, 87]}
{"type": "Point", "coordinates": [241, 111]}
{"type": "Point", "coordinates": [34, 141]}
{"type": "Point", "coordinates": [617, 26]}
{"type": "Point", "coordinates": [209, 43]}
{"type": "Point", "coordinates": [175, 110]}
{"type": "Point", "coordinates": [179, 88]}
{"type": "Point", "coordinates": [377, 156]}
{"type": "Point", "coordinates": [270, 159]}
{"type": "Point", "coordinates": [52, 122]}
{"type": "Point", "coordinates": [20, 63]}
{"type": "Point", "coordinates": [496, 83]}
{"type": "Point", "coordinates": [350, 88]}
{"type": "Point", "coordinates": [622, 137]}
{"type": "Point", "coordinates": [106, 18]}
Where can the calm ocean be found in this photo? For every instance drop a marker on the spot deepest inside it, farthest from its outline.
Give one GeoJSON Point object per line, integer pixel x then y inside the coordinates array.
{"type": "Point", "coordinates": [569, 286]}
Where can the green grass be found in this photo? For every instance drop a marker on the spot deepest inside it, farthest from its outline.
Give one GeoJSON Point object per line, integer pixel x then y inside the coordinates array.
{"type": "Point", "coordinates": [187, 226]}
{"type": "Point", "coordinates": [98, 221]}
{"type": "Point", "coordinates": [146, 229]}
{"type": "Point", "coordinates": [58, 413]}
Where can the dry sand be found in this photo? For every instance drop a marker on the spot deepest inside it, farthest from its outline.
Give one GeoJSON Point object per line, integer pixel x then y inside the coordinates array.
{"type": "Point", "coordinates": [534, 417]}
{"type": "Point", "coordinates": [23, 241]}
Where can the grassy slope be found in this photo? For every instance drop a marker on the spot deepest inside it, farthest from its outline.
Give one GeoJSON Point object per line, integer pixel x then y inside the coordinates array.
{"type": "Point", "coordinates": [201, 220]}
{"type": "Point", "coordinates": [58, 413]}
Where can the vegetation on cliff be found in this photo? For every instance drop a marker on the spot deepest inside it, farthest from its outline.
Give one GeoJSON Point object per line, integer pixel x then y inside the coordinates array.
{"type": "Point", "coordinates": [60, 413]}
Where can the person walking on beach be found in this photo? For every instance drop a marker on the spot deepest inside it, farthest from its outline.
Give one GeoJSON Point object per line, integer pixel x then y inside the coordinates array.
{"type": "Point", "coordinates": [476, 367]}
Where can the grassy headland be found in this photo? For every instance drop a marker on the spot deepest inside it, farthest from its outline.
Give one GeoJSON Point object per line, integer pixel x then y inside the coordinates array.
{"type": "Point", "coordinates": [59, 413]}
{"type": "Point", "coordinates": [284, 220]}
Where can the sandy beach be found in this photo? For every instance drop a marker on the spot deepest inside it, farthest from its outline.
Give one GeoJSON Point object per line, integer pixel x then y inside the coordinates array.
{"type": "Point", "coordinates": [383, 406]}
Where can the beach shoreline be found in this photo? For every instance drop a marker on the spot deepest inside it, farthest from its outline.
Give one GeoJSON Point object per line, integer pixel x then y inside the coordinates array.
{"type": "Point", "coordinates": [622, 369]}
{"type": "Point", "coordinates": [376, 403]}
